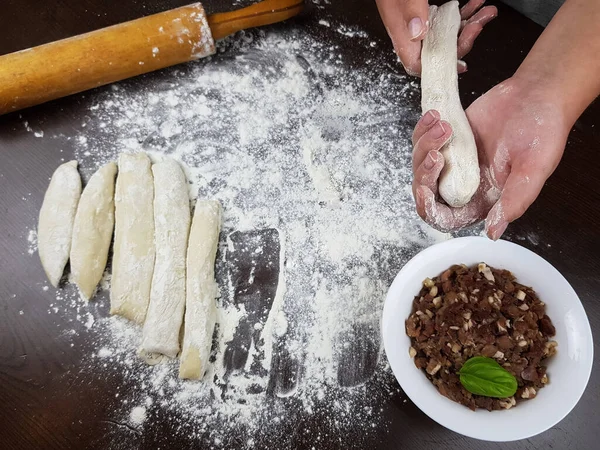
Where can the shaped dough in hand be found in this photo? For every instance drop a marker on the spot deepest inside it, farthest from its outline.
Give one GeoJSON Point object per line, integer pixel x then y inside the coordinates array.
{"type": "Point", "coordinates": [202, 290]}
{"type": "Point", "coordinates": [133, 251]}
{"type": "Point", "coordinates": [55, 227]}
{"type": "Point", "coordinates": [162, 328]}
{"type": "Point", "coordinates": [93, 229]}
{"type": "Point", "coordinates": [459, 179]}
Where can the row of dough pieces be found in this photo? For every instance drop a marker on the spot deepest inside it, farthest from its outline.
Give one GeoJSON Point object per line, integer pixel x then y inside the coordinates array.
{"type": "Point", "coordinates": [163, 262]}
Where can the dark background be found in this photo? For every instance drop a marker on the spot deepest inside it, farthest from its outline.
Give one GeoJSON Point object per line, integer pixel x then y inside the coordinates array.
{"type": "Point", "coordinates": [43, 404]}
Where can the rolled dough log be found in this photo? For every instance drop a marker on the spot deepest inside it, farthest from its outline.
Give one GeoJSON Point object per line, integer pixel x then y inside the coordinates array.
{"type": "Point", "coordinates": [133, 258]}
{"type": "Point", "coordinates": [93, 229]}
{"type": "Point", "coordinates": [459, 179]}
{"type": "Point", "coordinates": [55, 227]}
{"type": "Point", "coordinates": [202, 290]}
{"type": "Point", "coordinates": [167, 298]}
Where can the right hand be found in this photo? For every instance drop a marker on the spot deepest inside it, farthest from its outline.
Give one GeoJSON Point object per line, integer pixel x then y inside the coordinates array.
{"type": "Point", "coordinates": [407, 21]}
{"type": "Point", "coordinates": [520, 128]}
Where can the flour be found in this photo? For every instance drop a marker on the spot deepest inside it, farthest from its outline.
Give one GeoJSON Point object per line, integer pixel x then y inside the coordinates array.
{"type": "Point", "coordinates": [32, 240]}
{"type": "Point", "coordinates": [287, 136]}
{"type": "Point", "coordinates": [138, 415]}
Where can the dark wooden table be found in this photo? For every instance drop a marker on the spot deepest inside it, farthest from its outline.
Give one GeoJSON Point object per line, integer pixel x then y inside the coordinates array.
{"type": "Point", "coordinates": [43, 402]}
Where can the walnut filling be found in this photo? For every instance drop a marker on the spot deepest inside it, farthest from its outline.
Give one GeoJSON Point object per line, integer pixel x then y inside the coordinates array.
{"type": "Point", "coordinates": [480, 311]}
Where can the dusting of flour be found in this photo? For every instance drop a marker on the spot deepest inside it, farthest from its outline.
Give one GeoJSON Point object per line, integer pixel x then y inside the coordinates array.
{"type": "Point", "coordinates": [286, 135]}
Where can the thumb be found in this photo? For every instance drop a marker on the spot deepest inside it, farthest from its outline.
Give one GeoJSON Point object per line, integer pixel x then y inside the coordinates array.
{"type": "Point", "coordinates": [406, 22]}
{"type": "Point", "coordinates": [520, 191]}
{"type": "Point", "coordinates": [416, 17]}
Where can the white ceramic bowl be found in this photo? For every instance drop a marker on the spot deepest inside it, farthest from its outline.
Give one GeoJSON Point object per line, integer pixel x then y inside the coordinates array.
{"type": "Point", "coordinates": [569, 370]}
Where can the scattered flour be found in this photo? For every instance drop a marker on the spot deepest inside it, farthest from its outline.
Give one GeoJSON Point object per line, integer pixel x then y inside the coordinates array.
{"type": "Point", "coordinates": [138, 415]}
{"type": "Point", "coordinates": [286, 135]}
{"type": "Point", "coordinates": [32, 241]}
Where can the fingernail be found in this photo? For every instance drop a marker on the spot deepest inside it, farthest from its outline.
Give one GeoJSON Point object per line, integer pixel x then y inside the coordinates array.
{"type": "Point", "coordinates": [438, 131]}
{"type": "Point", "coordinates": [415, 28]}
{"type": "Point", "coordinates": [462, 64]}
{"type": "Point", "coordinates": [430, 160]}
{"type": "Point", "coordinates": [428, 118]}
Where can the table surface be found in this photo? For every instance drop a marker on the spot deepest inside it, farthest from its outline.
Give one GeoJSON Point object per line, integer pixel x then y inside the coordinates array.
{"type": "Point", "coordinates": [43, 403]}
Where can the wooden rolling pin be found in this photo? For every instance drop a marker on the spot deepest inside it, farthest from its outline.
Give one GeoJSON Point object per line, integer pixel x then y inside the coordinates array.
{"type": "Point", "coordinates": [72, 65]}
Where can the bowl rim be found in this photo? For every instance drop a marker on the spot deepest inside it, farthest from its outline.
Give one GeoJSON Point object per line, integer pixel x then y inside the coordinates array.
{"type": "Point", "coordinates": [426, 255]}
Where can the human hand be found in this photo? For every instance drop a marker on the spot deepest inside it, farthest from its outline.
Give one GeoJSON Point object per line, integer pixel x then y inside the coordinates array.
{"type": "Point", "coordinates": [520, 134]}
{"type": "Point", "coordinates": [406, 21]}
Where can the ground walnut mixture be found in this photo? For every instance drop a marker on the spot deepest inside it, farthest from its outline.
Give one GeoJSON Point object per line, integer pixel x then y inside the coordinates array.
{"type": "Point", "coordinates": [480, 311]}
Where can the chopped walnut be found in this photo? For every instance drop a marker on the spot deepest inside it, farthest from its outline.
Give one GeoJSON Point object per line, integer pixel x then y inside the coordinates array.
{"type": "Point", "coordinates": [550, 348]}
{"type": "Point", "coordinates": [412, 352]}
{"type": "Point", "coordinates": [502, 325]}
{"type": "Point", "coordinates": [520, 295]}
{"type": "Point", "coordinates": [433, 367]}
{"type": "Point", "coordinates": [487, 273]}
{"type": "Point", "coordinates": [529, 392]}
{"type": "Point", "coordinates": [508, 403]}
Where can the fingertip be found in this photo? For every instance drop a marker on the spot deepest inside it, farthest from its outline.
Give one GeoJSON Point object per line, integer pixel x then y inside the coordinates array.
{"type": "Point", "coordinates": [462, 66]}
{"type": "Point", "coordinates": [429, 118]}
{"type": "Point", "coordinates": [426, 121]}
{"type": "Point", "coordinates": [445, 129]}
{"type": "Point", "coordinates": [495, 232]}
{"type": "Point", "coordinates": [493, 11]}
{"type": "Point", "coordinates": [431, 160]}
{"type": "Point", "coordinates": [495, 222]}
{"type": "Point", "coordinates": [469, 9]}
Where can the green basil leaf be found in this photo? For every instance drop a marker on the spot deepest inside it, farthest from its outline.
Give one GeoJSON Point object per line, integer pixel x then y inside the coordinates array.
{"type": "Point", "coordinates": [484, 376]}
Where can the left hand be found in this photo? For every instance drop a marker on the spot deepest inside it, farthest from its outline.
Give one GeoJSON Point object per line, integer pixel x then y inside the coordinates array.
{"type": "Point", "coordinates": [520, 135]}
{"type": "Point", "coordinates": [407, 23]}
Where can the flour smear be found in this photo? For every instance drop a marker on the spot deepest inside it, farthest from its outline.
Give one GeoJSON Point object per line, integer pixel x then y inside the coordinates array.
{"type": "Point", "coordinates": [286, 135]}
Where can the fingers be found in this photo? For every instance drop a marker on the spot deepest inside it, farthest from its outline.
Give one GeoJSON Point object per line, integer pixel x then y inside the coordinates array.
{"type": "Point", "coordinates": [406, 22]}
{"type": "Point", "coordinates": [484, 16]}
{"type": "Point", "coordinates": [472, 28]}
{"type": "Point", "coordinates": [425, 122]}
{"type": "Point", "coordinates": [428, 172]}
{"type": "Point", "coordinates": [519, 192]}
{"type": "Point", "coordinates": [429, 137]}
{"type": "Point", "coordinates": [467, 37]}
{"type": "Point", "coordinates": [416, 15]}
{"type": "Point", "coordinates": [469, 9]}
{"type": "Point", "coordinates": [434, 138]}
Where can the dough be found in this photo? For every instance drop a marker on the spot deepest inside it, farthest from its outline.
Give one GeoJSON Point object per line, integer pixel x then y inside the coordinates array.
{"type": "Point", "coordinates": [133, 258]}
{"type": "Point", "coordinates": [167, 298]}
{"type": "Point", "coordinates": [55, 227]}
{"type": "Point", "coordinates": [459, 179]}
{"type": "Point", "coordinates": [93, 229]}
{"type": "Point", "coordinates": [202, 290]}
